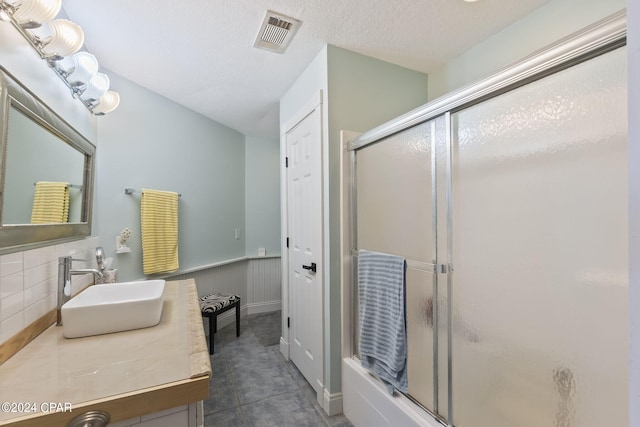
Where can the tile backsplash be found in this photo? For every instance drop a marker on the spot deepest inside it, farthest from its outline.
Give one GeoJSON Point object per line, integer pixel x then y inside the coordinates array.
{"type": "Point", "coordinates": [29, 282]}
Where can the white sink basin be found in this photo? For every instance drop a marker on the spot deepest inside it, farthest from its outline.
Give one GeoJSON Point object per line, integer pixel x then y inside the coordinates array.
{"type": "Point", "coordinates": [114, 307]}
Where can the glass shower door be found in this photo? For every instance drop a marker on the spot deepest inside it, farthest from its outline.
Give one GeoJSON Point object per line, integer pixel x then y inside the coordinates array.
{"type": "Point", "coordinates": [539, 242]}
{"type": "Point", "coordinates": [396, 210]}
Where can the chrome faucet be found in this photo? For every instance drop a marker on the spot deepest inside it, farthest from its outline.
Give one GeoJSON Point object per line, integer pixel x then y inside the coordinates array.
{"type": "Point", "coordinates": [64, 281]}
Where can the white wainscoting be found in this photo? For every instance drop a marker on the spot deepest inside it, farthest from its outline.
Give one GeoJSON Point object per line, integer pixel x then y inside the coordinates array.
{"type": "Point", "coordinates": [257, 281]}
{"type": "Point", "coordinates": [264, 286]}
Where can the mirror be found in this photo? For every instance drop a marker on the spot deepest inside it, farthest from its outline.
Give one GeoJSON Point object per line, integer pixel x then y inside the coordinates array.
{"type": "Point", "coordinates": [46, 173]}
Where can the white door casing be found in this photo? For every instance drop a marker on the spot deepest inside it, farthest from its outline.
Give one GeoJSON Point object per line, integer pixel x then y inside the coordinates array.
{"type": "Point", "coordinates": [303, 145]}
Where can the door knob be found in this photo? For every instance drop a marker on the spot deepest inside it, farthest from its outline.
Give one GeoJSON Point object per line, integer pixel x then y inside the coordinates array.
{"type": "Point", "coordinates": [311, 267]}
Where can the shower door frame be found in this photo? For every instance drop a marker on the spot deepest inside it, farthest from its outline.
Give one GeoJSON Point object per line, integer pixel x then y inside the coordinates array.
{"type": "Point", "coordinates": [597, 39]}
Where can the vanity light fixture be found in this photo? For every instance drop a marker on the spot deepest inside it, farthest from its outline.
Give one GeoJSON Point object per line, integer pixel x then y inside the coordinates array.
{"type": "Point", "coordinates": [55, 40]}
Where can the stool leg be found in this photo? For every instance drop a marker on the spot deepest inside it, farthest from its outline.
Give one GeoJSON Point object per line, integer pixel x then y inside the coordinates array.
{"type": "Point", "coordinates": [238, 319]}
{"type": "Point", "coordinates": [212, 331]}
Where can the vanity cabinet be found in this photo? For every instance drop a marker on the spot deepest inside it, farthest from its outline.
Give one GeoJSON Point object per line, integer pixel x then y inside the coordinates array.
{"type": "Point", "coordinates": [152, 377]}
{"type": "Point", "coordinates": [183, 416]}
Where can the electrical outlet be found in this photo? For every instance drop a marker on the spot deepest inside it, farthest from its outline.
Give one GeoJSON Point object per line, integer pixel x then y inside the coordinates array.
{"type": "Point", "coordinates": [237, 234]}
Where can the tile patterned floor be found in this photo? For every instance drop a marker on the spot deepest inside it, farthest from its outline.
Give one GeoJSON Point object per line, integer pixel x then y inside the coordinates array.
{"type": "Point", "coordinates": [254, 386]}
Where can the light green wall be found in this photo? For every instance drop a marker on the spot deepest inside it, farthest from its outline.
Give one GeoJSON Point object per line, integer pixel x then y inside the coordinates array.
{"type": "Point", "coordinates": [151, 142]}
{"type": "Point", "coordinates": [363, 93]}
{"type": "Point", "coordinates": [546, 25]}
{"type": "Point", "coordinates": [262, 195]}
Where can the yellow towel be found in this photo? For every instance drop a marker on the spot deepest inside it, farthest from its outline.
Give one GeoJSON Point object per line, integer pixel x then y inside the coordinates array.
{"type": "Point", "coordinates": [159, 220]}
{"type": "Point", "coordinates": [50, 203]}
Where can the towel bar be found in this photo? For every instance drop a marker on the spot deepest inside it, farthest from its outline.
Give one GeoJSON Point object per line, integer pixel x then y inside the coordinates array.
{"type": "Point", "coordinates": [418, 265]}
{"type": "Point", "coordinates": [79, 187]}
{"type": "Point", "coordinates": [133, 191]}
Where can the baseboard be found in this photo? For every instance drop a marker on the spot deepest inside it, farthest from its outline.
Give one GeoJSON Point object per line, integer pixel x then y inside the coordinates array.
{"type": "Point", "coordinates": [263, 307]}
{"type": "Point", "coordinates": [284, 348]}
{"type": "Point", "coordinates": [332, 403]}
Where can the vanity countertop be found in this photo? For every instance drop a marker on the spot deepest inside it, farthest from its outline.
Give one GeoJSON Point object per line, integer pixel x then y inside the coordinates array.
{"type": "Point", "coordinates": [126, 374]}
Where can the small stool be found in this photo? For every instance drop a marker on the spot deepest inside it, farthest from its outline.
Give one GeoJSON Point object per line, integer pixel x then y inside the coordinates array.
{"type": "Point", "coordinates": [213, 304]}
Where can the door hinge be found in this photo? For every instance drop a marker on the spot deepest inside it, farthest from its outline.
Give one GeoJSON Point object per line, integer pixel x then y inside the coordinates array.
{"type": "Point", "coordinates": [287, 242]}
{"type": "Point", "coordinates": [288, 322]}
{"type": "Point", "coordinates": [286, 162]}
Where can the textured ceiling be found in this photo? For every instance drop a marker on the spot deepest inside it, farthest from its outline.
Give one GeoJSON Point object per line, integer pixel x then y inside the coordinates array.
{"type": "Point", "coordinates": [199, 53]}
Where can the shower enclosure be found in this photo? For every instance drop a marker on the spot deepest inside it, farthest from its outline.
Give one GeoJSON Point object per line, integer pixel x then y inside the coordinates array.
{"type": "Point", "coordinates": [509, 203]}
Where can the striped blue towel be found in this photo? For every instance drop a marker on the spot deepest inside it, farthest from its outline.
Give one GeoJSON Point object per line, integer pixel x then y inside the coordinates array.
{"type": "Point", "coordinates": [383, 331]}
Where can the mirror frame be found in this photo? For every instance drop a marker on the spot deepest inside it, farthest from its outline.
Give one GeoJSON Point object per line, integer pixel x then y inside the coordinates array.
{"type": "Point", "coordinates": [19, 237]}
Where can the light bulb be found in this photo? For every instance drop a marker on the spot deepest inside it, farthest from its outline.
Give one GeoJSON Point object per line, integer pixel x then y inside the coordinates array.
{"type": "Point", "coordinates": [66, 38]}
{"type": "Point", "coordinates": [84, 68]}
{"type": "Point", "coordinates": [33, 13]}
{"type": "Point", "coordinates": [96, 87]}
{"type": "Point", "coordinates": [108, 102]}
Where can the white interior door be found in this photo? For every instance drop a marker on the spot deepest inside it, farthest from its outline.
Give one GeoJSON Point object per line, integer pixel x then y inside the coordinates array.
{"type": "Point", "coordinates": [304, 205]}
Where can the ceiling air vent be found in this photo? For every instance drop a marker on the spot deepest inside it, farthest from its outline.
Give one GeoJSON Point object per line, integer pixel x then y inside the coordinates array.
{"type": "Point", "coordinates": [276, 32]}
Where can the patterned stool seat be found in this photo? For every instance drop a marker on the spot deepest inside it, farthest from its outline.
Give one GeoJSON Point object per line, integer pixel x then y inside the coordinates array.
{"type": "Point", "coordinates": [214, 304]}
